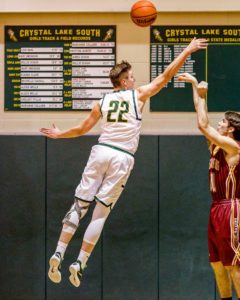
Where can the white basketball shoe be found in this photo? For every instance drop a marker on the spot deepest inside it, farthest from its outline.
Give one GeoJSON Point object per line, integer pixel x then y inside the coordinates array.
{"type": "Point", "coordinates": [76, 271]}
{"type": "Point", "coordinates": [54, 267]}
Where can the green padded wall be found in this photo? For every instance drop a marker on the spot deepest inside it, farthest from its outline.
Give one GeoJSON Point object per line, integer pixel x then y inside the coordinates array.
{"type": "Point", "coordinates": [154, 245]}
{"type": "Point", "coordinates": [184, 271]}
{"type": "Point", "coordinates": [130, 240]}
{"type": "Point", "coordinates": [22, 221]}
{"type": "Point", "coordinates": [66, 160]}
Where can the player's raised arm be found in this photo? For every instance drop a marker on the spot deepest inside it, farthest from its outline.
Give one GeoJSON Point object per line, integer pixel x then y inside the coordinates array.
{"type": "Point", "coordinates": [84, 127]}
{"type": "Point", "coordinates": [221, 137]}
{"type": "Point", "coordinates": [146, 91]}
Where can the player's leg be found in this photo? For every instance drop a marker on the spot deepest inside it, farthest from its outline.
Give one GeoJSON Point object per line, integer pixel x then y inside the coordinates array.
{"type": "Point", "coordinates": [223, 280]}
{"type": "Point", "coordinates": [119, 168]}
{"type": "Point", "coordinates": [84, 195]}
{"type": "Point", "coordinates": [70, 224]}
{"type": "Point", "coordinates": [234, 269]}
{"type": "Point", "coordinates": [235, 275]}
{"type": "Point", "coordinates": [116, 176]}
{"type": "Point", "coordinates": [227, 249]}
{"type": "Point", "coordinates": [91, 236]}
{"type": "Point", "coordinates": [219, 248]}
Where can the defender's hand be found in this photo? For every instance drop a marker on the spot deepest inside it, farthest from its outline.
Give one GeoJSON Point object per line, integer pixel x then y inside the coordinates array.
{"type": "Point", "coordinates": [202, 89]}
{"type": "Point", "coordinates": [187, 78]}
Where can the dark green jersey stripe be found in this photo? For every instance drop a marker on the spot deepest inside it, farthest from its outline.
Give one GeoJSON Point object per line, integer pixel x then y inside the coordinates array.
{"type": "Point", "coordinates": [102, 103]}
{"type": "Point", "coordinates": [116, 148]}
{"type": "Point", "coordinates": [107, 205]}
{"type": "Point", "coordinates": [135, 106]}
{"type": "Point", "coordinates": [80, 199]}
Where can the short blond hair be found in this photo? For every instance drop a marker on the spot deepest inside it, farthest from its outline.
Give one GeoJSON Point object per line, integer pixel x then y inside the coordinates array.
{"type": "Point", "coordinates": [118, 72]}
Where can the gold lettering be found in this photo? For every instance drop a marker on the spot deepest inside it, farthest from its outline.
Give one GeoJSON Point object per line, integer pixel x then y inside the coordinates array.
{"type": "Point", "coordinates": [64, 31]}
{"type": "Point", "coordinates": [88, 32]}
{"type": "Point", "coordinates": [211, 31]}
{"type": "Point", "coordinates": [34, 32]}
{"type": "Point", "coordinates": [181, 32]}
{"type": "Point", "coordinates": [234, 32]}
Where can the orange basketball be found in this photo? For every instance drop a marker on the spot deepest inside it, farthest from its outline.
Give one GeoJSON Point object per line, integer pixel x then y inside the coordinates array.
{"type": "Point", "coordinates": [143, 13]}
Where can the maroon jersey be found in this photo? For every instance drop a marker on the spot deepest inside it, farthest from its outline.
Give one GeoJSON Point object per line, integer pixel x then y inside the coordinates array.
{"type": "Point", "coordinates": [224, 219]}
{"type": "Point", "coordinates": [224, 180]}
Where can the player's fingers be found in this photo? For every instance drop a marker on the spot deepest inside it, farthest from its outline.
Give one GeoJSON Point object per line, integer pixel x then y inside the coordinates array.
{"type": "Point", "coordinates": [202, 46]}
{"type": "Point", "coordinates": [46, 132]}
{"type": "Point", "coordinates": [181, 78]}
{"type": "Point", "coordinates": [43, 129]}
{"type": "Point", "coordinates": [181, 74]}
{"type": "Point", "coordinates": [204, 83]}
{"type": "Point", "coordinates": [203, 86]}
{"type": "Point", "coordinates": [202, 40]}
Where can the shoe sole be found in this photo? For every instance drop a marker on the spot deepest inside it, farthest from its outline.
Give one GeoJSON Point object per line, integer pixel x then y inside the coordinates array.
{"type": "Point", "coordinates": [53, 273]}
{"type": "Point", "coordinates": [74, 279]}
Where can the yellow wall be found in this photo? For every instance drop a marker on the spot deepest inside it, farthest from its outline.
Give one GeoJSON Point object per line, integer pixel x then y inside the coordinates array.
{"type": "Point", "coordinates": [132, 44]}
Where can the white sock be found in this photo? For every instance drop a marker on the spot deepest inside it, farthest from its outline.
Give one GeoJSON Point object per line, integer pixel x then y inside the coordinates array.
{"type": "Point", "coordinates": [61, 248]}
{"type": "Point", "coordinates": [83, 257]}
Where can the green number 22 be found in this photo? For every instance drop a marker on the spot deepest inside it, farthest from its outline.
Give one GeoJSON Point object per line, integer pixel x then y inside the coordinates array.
{"type": "Point", "coordinates": [119, 108]}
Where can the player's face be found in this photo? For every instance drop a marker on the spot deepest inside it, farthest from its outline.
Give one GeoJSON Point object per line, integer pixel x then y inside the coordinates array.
{"type": "Point", "coordinates": [223, 127]}
{"type": "Point", "coordinates": [129, 81]}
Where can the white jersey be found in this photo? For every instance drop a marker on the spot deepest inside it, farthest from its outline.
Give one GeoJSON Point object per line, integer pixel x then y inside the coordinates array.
{"type": "Point", "coordinates": [121, 120]}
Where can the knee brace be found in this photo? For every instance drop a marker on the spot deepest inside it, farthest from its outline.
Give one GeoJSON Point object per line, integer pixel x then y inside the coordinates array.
{"type": "Point", "coordinates": [77, 211]}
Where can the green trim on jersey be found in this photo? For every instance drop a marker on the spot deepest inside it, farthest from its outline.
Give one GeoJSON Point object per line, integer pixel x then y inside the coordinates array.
{"type": "Point", "coordinates": [103, 203]}
{"type": "Point", "coordinates": [135, 105]}
{"type": "Point", "coordinates": [102, 104]}
{"type": "Point", "coordinates": [116, 148]}
{"type": "Point", "coordinates": [80, 199]}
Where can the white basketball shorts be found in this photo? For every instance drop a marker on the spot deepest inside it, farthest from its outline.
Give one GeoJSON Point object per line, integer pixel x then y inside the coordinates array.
{"type": "Point", "coordinates": [105, 175]}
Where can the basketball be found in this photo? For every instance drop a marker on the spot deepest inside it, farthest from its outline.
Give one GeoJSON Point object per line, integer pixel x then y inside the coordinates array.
{"type": "Point", "coordinates": [143, 13]}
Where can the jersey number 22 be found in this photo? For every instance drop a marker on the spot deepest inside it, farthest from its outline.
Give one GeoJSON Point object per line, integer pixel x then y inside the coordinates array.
{"type": "Point", "coordinates": [119, 108]}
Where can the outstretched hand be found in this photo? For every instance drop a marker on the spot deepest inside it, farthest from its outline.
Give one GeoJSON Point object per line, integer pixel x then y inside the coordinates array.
{"type": "Point", "coordinates": [53, 133]}
{"type": "Point", "coordinates": [187, 78]}
{"type": "Point", "coordinates": [197, 44]}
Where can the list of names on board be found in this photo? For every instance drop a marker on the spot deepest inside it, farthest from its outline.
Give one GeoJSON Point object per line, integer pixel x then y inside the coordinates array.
{"type": "Point", "coordinates": [60, 68]}
{"type": "Point", "coordinates": [214, 65]}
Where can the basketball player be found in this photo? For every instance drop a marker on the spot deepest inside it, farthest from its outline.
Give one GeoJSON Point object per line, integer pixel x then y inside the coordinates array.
{"type": "Point", "coordinates": [224, 178]}
{"type": "Point", "coordinates": [111, 160]}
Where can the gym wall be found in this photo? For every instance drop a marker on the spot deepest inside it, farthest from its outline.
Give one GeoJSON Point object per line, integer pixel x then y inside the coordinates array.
{"type": "Point", "coordinates": [133, 44]}
{"type": "Point", "coordinates": [154, 244]}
